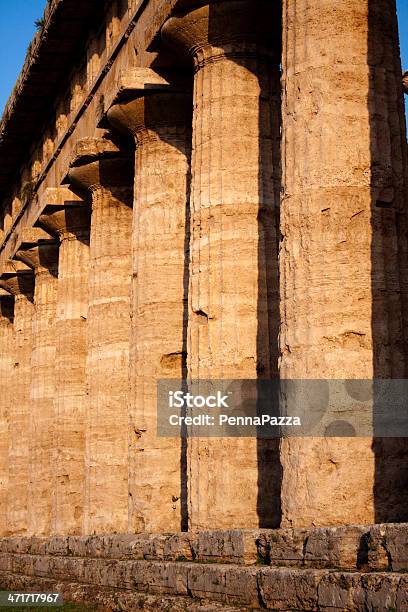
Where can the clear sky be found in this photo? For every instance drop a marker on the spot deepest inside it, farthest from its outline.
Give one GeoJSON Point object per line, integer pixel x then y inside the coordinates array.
{"type": "Point", "coordinates": [17, 28]}
{"type": "Point", "coordinates": [17, 19]}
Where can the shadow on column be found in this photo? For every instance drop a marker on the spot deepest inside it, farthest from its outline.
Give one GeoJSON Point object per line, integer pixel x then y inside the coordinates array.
{"type": "Point", "coordinates": [7, 307]}
{"type": "Point", "coordinates": [184, 376]}
{"type": "Point", "coordinates": [262, 24]}
{"type": "Point", "coordinates": [389, 262]}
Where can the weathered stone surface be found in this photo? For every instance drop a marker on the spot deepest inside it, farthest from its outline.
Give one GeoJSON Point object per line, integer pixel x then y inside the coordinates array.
{"type": "Point", "coordinates": [338, 591]}
{"type": "Point", "coordinates": [286, 589]}
{"type": "Point", "coordinates": [141, 80]}
{"type": "Point", "coordinates": [224, 583]}
{"type": "Point", "coordinates": [387, 547]}
{"type": "Point", "coordinates": [230, 585]}
{"type": "Point", "coordinates": [351, 548]}
{"type": "Point", "coordinates": [21, 286]}
{"type": "Point", "coordinates": [237, 546]}
{"type": "Point", "coordinates": [283, 546]}
{"type": "Point", "coordinates": [108, 600]}
{"type": "Point", "coordinates": [378, 592]}
{"type": "Point", "coordinates": [72, 225]}
{"type": "Point", "coordinates": [233, 324]}
{"type": "Point", "coordinates": [402, 594]}
{"type": "Point", "coordinates": [61, 196]}
{"type": "Point", "coordinates": [108, 332]}
{"type": "Point", "coordinates": [396, 544]}
{"type": "Point", "coordinates": [334, 547]}
{"type": "Point", "coordinates": [193, 287]}
{"type": "Point", "coordinates": [343, 298]}
{"type": "Point", "coordinates": [160, 124]}
{"type": "Point", "coordinates": [6, 426]}
{"type": "Point", "coordinates": [43, 259]}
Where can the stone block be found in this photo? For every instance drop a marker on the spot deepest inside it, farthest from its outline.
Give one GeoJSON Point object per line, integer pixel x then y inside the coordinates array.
{"type": "Point", "coordinates": [160, 577]}
{"type": "Point", "coordinates": [57, 545]}
{"type": "Point", "coordinates": [180, 547]}
{"type": "Point", "coordinates": [22, 564]}
{"type": "Point", "coordinates": [396, 544]}
{"type": "Point", "coordinates": [289, 589]}
{"type": "Point", "coordinates": [334, 547]}
{"type": "Point", "coordinates": [5, 562]}
{"type": "Point", "coordinates": [402, 594]}
{"type": "Point", "coordinates": [338, 590]}
{"type": "Point", "coordinates": [38, 545]}
{"type": "Point", "coordinates": [282, 547]}
{"type": "Point", "coordinates": [77, 545]}
{"type": "Point", "coordinates": [224, 583]}
{"type": "Point", "coordinates": [230, 546]}
{"type": "Point", "coordinates": [374, 552]}
{"type": "Point", "coordinates": [380, 592]}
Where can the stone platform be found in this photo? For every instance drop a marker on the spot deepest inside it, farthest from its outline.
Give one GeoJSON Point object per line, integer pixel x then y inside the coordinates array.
{"type": "Point", "coordinates": [354, 568]}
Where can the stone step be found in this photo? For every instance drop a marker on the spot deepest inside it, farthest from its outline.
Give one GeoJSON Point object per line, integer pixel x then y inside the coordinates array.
{"type": "Point", "coordinates": [365, 548]}
{"type": "Point", "coordinates": [153, 585]}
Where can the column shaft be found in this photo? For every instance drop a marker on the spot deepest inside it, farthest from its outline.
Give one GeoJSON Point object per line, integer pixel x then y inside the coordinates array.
{"type": "Point", "coordinates": [108, 361]}
{"type": "Point", "coordinates": [70, 380]}
{"type": "Point", "coordinates": [42, 256]}
{"type": "Point", "coordinates": [21, 286]}
{"type": "Point", "coordinates": [108, 333]}
{"type": "Point", "coordinates": [42, 477]}
{"type": "Point", "coordinates": [233, 323]}
{"type": "Point", "coordinates": [71, 224]}
{"type": "Point", "coordinates": [232, 329]}
{"type": "Point", "coordinates": [161, 126]}
{"type": "Point", "coordinates": [343, 251]}
{"type": "Point", "coordinates": [7, 428]}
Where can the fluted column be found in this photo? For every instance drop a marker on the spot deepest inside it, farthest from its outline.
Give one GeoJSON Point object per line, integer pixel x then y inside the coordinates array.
{"type": "Point", "coordinates": [42, 257]}
{"type": "Point", "coordinates": [107, 174]}
{"type": "Point", "coordinates": [71, 223]}
{"type": "Point", "coordinates": [233, 323]}
{"type": "Point", "coordinates": [6, 399]}
{"type": "Point", "coordinates": [19, 284]}
{"type": "Point", "coordinates": [343, 252]}
{"type": "Point", "coordinates": [161, 125]}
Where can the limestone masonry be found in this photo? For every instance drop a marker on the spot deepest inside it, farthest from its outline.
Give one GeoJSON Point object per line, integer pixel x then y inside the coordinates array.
{"type": "Point", "coordinates": [194, 190]}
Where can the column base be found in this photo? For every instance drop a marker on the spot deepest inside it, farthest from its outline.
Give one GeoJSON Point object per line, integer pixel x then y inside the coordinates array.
{"type": "Point", "coordinates": [347, 567]}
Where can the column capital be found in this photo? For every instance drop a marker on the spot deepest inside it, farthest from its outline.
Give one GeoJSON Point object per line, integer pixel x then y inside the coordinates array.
{"type": "Point", "coordinates": [19, 283]}
{"type": "Point", "coordinates": [213, 30]}
{"type": "Point", "coordinates": [142, 81]}
{"type": "Point", "coordinates": [98, 163]}
{"type": "Point", "coordinates": [67, 222]}
{"type": "Point", "coordinates": [38, 250]}
{"type": "Point", "coordinates": [149, 113]}
{"type": "Point", "coordinates": [65, 214]}
{"type": "Point", "coordinates": [60, 196]}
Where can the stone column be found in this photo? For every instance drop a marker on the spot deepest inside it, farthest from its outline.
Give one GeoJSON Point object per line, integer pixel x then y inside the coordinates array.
{"type": "Point", "coordinates": [71, 223]}
{"type": "Point", "coordinates": [233, 307]}
{"type": "Point", "coordinates": [40, 252]}
{"type": "Point", "coordinates": [107, 174]}
{"type": "Point", "coordinates": [19, 283]}
{"type": "Point", "coordinates": [161, 125]}
{"type": "Point", "coordinates": [343, 252]}
{"type": "Point", "coordinates": [6, 399]}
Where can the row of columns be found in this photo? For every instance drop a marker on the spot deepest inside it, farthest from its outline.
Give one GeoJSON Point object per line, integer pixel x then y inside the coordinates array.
{"type": "Point", "coordinates": [167, 266]}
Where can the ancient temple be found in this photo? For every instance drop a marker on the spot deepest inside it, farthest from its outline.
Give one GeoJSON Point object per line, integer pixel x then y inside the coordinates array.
{"type": "Point", "coordinates": [195, 189]}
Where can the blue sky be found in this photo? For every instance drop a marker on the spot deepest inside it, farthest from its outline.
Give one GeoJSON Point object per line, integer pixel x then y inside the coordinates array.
{"type": "Point", "coordinates": [17, 28]}
{"type": "Point", "coordinates": [16, 31]}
